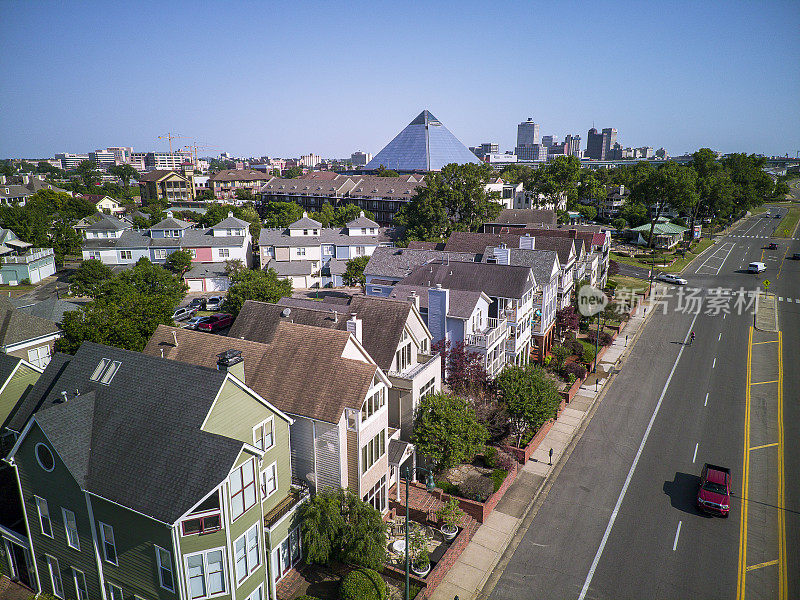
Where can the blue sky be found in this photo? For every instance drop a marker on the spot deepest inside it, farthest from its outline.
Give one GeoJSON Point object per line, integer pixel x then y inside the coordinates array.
{"type": "Point", "coordinates": [288, 78]}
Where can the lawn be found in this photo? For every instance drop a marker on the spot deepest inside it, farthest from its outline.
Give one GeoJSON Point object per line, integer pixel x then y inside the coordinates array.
{"type": "Point", "coordinates": [678, 265]}
{"type": "Point", "coordinates": [788, 224]}
{"type": "Point", "coordinates": [10, 291]}
{"type": "Point", "coordinates": [630, 283]}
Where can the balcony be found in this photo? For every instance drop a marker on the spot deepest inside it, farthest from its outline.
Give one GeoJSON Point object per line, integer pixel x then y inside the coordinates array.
{"type": "Point", "coordinates": [495, 330]}
{"type": "Point", "coordinates": [298, 493]}
{"type": "Point", "coordinates": [404, 379]}
{"type": "Point", "coordinates": [28, 257]}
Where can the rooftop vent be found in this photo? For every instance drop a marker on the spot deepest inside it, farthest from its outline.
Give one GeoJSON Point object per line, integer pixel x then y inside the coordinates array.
{"type": "Point", "coordinates": [286, 312]}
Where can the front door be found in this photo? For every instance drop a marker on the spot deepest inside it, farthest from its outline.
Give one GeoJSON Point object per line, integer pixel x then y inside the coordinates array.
{"type": "Point", "coordinates": [19, 563]}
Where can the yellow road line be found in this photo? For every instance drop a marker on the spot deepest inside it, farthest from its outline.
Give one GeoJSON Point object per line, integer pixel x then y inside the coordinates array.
{"type": "Point", "coordinates": [763, 382]}
{"type": "Point", "coordinates": [764, 446]}
{"type": "Point", "coordinates": [764, 564]}
{"type": "Point", "coordinates": [767, 342]}
{"type": "Point", "coordinates": [778, 276]}
{"type": "Point", "coordinates": [741, 578]}
{"type": "Point", "coordinates": [782, 576]}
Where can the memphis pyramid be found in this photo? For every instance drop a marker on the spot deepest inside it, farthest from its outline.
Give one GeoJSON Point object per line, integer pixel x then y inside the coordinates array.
{"type": "Point", "coordinates": [424, 145]}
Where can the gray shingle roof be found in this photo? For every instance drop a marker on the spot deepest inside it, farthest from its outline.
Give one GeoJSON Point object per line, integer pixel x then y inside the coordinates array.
{"type": "Point", "coordinates": [137, 441]}
{"type": "Point", "coordinates": [361, 221]}
{"type": "Point", "coordinates": [564, 246]}
{"type": "Point", "coordinates": [17, 326]}
{"type": "Point", "coordinates": [287, 268]}
{"type": "Point", "coordinates": [328, 235]}
{"type": "Point", "coordinates": [172, 223]}
{"type": "Point", "coordinates": [231, 222]}
{"type": "Point", "coordinates": [107, 223]}
{"type": "Point", "coordinates": [399, 262]}
{"type": "Point", "coordinates": [305, 222]}
{"type": "Point", "coordinates": [200, 238]}
{"type": "Point", "coordinates": [526, 216]}
{"type": "Point", "coordinates": [541, 262]}
{"type": "Point", "coordinates": [7, 365]}
{"type": "Point", "coordinates": [52, 309]}
{"type": "Point", "coordinates": [205, 270]}
{"type": "Point", "coordinates": [503, 281]}
{"type": "Point", "coordinates": [462, 302]}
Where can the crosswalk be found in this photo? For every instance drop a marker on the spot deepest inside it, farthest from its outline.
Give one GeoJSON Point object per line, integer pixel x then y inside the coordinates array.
{"type": "Point", "coordinates": [790, 300]}
{"type": "Point", "coordinates": [751, 237]}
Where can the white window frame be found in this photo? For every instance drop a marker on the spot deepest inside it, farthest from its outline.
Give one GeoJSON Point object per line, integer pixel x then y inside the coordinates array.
{"type": "Point", "coordinates": [55, 575]}
{"type": "Point", "coordinates": [125, 255]}
{"type": "Point", "coordinates": [81, 593]}
{"type": "Point", "coordinates": [301, 252]}
{"type": "Point", "coordinates": [162, 567]}
{"type": "Point", "coordinates": [36, 358]}
{"type": "Point", "coordinates": [257, 594]}
{"type": "Point", "coordinates": [265, 478]}
{"type": "Point", "coordinates": [160, 254]}
{"type": "Point", "coordinates": [251, 554]}
{"type": "Point", "coordinates": [111, 593]}
{"type": "Point", "coordinates": [260, 437]}
{"type": "Point", "coordinates": [72, 532]}
{"type": "Point", "coordinates": [105, 542]}
{"type": "Point", "coordinates": [204, 554]}
{"type": "Point", "coordinates": [44, 515]}
{"type": "Point", "coordinates": [224, 252]}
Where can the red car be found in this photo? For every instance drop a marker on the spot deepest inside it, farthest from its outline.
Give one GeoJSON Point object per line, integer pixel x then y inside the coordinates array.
{"type": "Point", "coordinates": [216, 322]}
{"type": "Point", "coordinates": [714, 495]}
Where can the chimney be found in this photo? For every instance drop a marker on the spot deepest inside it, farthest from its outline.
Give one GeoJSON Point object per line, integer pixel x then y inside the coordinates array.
{"type": "Point", "coordinates": [231, 361]}
{"type": "Point", "coordinates": [335, 316]}
{"type": "Point", "coordinates": [414, 299]}
{"type": "Point", "coordinates": [354, 326]}
{"type": "Point", "coordinates": [502, 255]}
{"type": "Point", "coordinates": [573, 233]}
{"type": "Point", "coordinates": [438, 307]}
{"type": "Point", "coordinates": [230, 213]}
{"type": "Point", "coordinates": [305, 214]}
{"type": "Point", "coordinates": [526, 242]}
{"type": "Point", "coordinates": [175, 338]}
{"type": "Point", "coordinates": [361, 214]}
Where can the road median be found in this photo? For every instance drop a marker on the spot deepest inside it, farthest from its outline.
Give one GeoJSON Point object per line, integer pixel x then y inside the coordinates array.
{"type": "Point", "coordinates": [766, 318]}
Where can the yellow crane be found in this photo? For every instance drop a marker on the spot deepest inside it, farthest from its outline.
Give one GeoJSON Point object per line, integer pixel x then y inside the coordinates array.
{"type": "Point", "coordinates": [171, 136]}
{"type": "Point", "coordinates": [194, 147]}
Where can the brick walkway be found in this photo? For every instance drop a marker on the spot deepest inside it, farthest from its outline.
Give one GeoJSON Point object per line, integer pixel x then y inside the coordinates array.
{"type": "Point", "coordinates": [422, 503]}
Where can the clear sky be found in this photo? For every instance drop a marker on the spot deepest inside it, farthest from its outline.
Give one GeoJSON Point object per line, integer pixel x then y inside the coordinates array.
{"type": "Point", "coordinates": [289, 78]}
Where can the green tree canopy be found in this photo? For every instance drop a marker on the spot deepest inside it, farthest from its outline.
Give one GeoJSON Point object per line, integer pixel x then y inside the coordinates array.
{"type": "Point", "coordinates": [293, 172]}
{"type": "Point", "coordinates": [179, 262]}
{"type": "Point", "coordinates": [263, 286]}
{"type": "Point", "coordinates": [89, 277]}
{"type": "Point", "coordinates": [124, 172]}
{"type": "Point", "coordinates": [88, 173]}
{"type": "Point", "coordinates": [453, 200]}
{"type": "Point", "coordinates": [671, 186]}
{"type": "Point", "coordinates": [531, 398]}
{"type": "Point", "coordinates": [337, 526]}
{"type": "Point", "coordinates": [447, 431]}
{"type": "Point", "coordinates": [384, 172]}
{"type": "Point", "coordinates": [354, 271]}
{"type": "Point", "coordinates": [281, 214]}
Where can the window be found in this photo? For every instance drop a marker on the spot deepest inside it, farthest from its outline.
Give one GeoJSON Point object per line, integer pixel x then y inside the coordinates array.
{"type": "Point", "coordinates": [359, 250]}
{"type": "Point", "coordinates": [403, 358]}
{"type": "Point", "coordinates": [114, 592]}
{"type": "Point", "coordinates": [105, 370]}
{"type": "Point", "coordinates": [94, 256]}
{"type": "Point", "coordinates": [125, 255]}
{"type": "Point", "coordinates": [55, 576]}
{"type": "Point", "coordinates": [109, 548]}
{"type": "Point", "coordinates": [164, 560]}
{"type": "Point", "coordinates": [427, 389]}
{"type": "Point", "coordinates": [81, 591]}
{"type": "Point", "coordinates": [193, 253]}
{"type": "Point", "coordinates": [45, 457]}
{"type": "Point", "coordinates": [258, 594]}
{"type": "Point", "coordinates": [301, 252]}
{"type": "Point", "coordinates": [71, 526]}
{"type": "Point", "coordinates": [263, 437]}
{"type": "Point", "coordinates": [269, 480]}
{"type": "Point", "coordinates": [243, 489]}
{"type": "Point", "coordinates": [352, 419]}
{"type": "Point", "coordinates": [160, 254]}
{"type": "Point", "coordinates": [203, 524]}
{"type": "Point", "coordinates": [224, 252]}
{"type": "Point", "coordinates": [247, 555]}
{"type": "Point", "coordinates": [363, 231]}
{"type": "Point", "coordinates": [373, 404]}
{"type": "Point", "coordinates": [44, 516]}
{"type": "Point", "coordinates": [377, 495]}
{"type": "Point", "coordinates": [372, 451]}
{"type": "Point", "coordinates": [205, 573]}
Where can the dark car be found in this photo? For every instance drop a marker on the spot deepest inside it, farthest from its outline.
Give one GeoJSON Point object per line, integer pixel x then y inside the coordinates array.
{"type": "Point", "coordinates": [198, 303]}
{"type": "Point", "coordinates": [778, 216]}
{"type": "Point", "coordinates": [216, 322]}
{"type": "Point", "coordinates": [772, 246]}
{"type": "Point", "coordinates": [796, 256]}
{"type": "Point", "coordinates": [714, 495]}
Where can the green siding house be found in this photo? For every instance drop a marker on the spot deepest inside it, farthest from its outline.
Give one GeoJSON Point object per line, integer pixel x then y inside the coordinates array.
{"type": "Point", "coordinates": [143, 478]}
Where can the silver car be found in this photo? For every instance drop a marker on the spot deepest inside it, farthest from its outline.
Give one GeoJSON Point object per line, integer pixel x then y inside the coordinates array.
{"type": "Point", "coordinates": [673, 279]}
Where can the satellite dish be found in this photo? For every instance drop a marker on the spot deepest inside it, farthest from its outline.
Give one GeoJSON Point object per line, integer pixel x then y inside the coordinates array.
{"type": "Point", "coordinates": [286, 312]}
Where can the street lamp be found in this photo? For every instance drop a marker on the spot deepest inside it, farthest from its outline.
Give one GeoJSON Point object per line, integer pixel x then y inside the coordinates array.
{"type": "Point", "coordinates": [430, 486]}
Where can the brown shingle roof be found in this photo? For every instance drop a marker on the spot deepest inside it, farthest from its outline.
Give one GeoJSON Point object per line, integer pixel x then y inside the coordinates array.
{"type": "Point", "coordinates": [240, 175]}
{"type": "Point", "coordinates": [525, 216]}
{"type": "Point", "coordinates": [157, 174]}
{"type": "Point", "coordinates": [464, 241]}
{"type": "Point", "coordinates": [299, 369]}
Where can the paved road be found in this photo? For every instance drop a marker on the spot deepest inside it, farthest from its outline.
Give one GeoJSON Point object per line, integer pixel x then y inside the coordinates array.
{"type": "Point", "coordinates": [587, 538]}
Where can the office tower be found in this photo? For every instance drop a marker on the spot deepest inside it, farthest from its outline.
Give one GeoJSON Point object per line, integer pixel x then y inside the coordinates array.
{"type": "Point", "coordinates": [549, 140]}
{"type": "Point", "coordinates": [527, 133]}
{"type": "Point", "coordinates": [360, 159]}
{"type": "Point", "coordinates": [573, 144]}
{"type": "Point", "coordinates": [610, 139]}
{"type": "Point", "coordinates": [596, 144]}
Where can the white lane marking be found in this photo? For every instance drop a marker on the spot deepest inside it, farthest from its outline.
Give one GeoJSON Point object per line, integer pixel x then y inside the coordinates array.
{"type": "Point", "coordinates": [677, 533]}
{"type": "Point", "coordinates": [706, 402]}
{"type": "Point", "coordinates": [714, 364]}
{"type": "Point", "coordinates": [621, 497]}
{"type": "Point", "coordinates": [724, 315]}
{"type": "Point", "coordinates": [780, 298]}
{"type": "Point", "coordinates": [726, 258]}
{"type": "Point", "coordinates": [720, 337]}
{"type": "Point", "coordinates": [694, 456]}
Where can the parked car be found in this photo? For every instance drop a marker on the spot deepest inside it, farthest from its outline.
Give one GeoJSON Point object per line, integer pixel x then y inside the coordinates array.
{"type": "Point", "coordinates": [183, 313]}
{"type": "Point", "coordinates": [216, 322]}
{"type": "Point", "coordinates": [198, 303]}
{"type": "Point", "coordinates": [756, 267]}
{"type": "Point", "coordinates": [772, 246]}
{"type": "Point", "coordinates": [672, 278]}
{"type": "Point", "coordinates": [714, 494]}
{"type": "Point", "coordinates": [214, 302]}
{"type": "Point", "coordinates": [194, 322]}
{"type": "Point", "coordinates": [767, 215]}
{"type": "Point", "coordinates": [778, 216]}
{"type": "Point", "coordinates": [796, 256]}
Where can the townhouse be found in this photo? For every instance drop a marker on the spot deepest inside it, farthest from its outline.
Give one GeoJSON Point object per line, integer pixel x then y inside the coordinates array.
{"type": "Point", "coordinates": [114, 243]}
{"type": "Point", "coordinates": [17, 377]}
{"type": "Point", "coordinates": [20, 261]}
{"type": "Point", "coordinates": [393, 332]}
{"type": "Point", "coordinates": [27, 336]}
{"type": "Point", "coordinates": [167, 185]}
{"type": "Point", "coordinates": [17, 190]}
{"type": "Point", "coordinates": [225, 183]}
{"type": "Point", "coordinates": [326, 382]}
{"type": "Point", "coordinates": [174, 485]}
{"type": "Point", "coordinates": [314, 256]}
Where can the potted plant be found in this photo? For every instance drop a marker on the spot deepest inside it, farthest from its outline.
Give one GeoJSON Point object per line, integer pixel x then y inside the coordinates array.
{"type": "Point", "coordinates": [450, 514]}
{"type": "Point", "coordinates": [420, 559]}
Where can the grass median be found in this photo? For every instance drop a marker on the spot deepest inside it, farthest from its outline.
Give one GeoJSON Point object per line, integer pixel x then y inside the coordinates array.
{"type": "Point", "coordinates": [788, 224]}
{"type": "Point", "coordinates": [631, 283]}
{"type": "Point", "coordinates": [678, 265]}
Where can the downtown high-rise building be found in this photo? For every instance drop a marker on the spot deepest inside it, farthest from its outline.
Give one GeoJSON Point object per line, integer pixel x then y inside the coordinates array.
{"type": "Point", "coordinates": [549, 140]}
{"type": "Point", "coordinates": [527, 133]}
{"type": "Point", "coordinates": [573, 145]}
{"type": "Point", "coordinates": [595, 145]}
{"type": "Point", "coordinates": [609, 139]}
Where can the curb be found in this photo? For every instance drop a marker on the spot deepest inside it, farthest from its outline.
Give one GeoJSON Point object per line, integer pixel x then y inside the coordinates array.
{"type": "Point", "coordinates": [540, 495]}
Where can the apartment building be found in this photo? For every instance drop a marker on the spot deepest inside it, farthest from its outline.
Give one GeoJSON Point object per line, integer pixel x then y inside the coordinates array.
{"type": "Point", "coordinates": [225, 183]}
{"type": "Point", "coordinates": [169, 186]}
{"type": "Point", "coordinates": [510, 195]}
{"type": "Point", "coordinates": [314, 256]}
{"type": "Point", "coordinates": [144, 487]}
{"type": "Point", "coordinates": [326, 382]}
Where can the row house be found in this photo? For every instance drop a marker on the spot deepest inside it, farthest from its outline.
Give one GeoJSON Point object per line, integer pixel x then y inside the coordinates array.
{"type": "Point", "coordinates": [393, 332]}
{"type": "Point", "coordinates": [314, 256]}
{"type": "Point", "coordinates": [176, 485]}
{"type": "Point", "coordinates": [326, 382]}
{"type": "Point", "coordinates": [115, 242]}
{"type": "Point", "coordinates": [27, 336]}
{"type": "Point", "coordinates": [17, 190]}
{"type": "Point", "coordinates": [224, 183]}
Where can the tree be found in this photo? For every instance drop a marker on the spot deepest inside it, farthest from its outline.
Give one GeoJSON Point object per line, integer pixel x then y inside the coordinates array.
{"type": "Point", "coordinates": [244, 195]}
{"type": "Point", "coordinates": [634, 213]}
{"type": "Point", "coordinates": [205, 196]}
{"type": "Point", "coordinates": [348, 212]}
{"type": "Point", "coordinates": [671, 186]}
{"type": "Point", "coordinates": [446, 430]}
{"type": "Point", "coordinates": [454, 199]}
{"type": "Point", "coordinates": [588, 212]}
{"type": "Point", "coordinates": [384, 172]}
{"type": "Point", "coordinates": [567, 319]}
{"type": "Point", "coordinates": [560, 179]}
{"type": "Point", "coordinates": [325, 216]}
{"type": "Point", "coordinates": [560, 354]}
{"type": "Point", "coordinates": [530, 396]}
{"type": "Point", "coordinates": [337, 526]}
{"type": "Point", "coordinates": [293, 172]}
{"type": "Point", "coordinates": [463, 371]}
{"type": "Point", "coordinates": [619, 223]}
{"type": "Point", "coordinates": [263, 286]}
{"type": "Point", "coordinates": [590, 187]}
{"type": "Point", "coordinates": [179, 262]}
{"type": "Point", "coordinates": [125, 173]}
{"type": "Point", "coordinates": [88, 173]}
{"type": "Point", "coordinates": [89, 276]}
{"type": "Point", "coordinates": [281, 214]}
{"type": "Point", "coordinates": [354, 271]}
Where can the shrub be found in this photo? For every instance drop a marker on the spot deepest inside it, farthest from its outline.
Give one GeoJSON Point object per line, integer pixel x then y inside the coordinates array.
{"type": "Point", "coordinates": [530, 396]}
{"type": "Point", "coordinates": [577, 348]}
{"type": "Point", "coordinates": [577, 370]}
{"type": "Point", "coordinates": [490, 457]}
{"type": "Point", "coordinates": [363, 584]}
{"type": "Point", "coordinates": [450, 513]}
{"type": "Point", "coordinates": [560, 354]}
{"type": "Point", "coordinates": [498, 477]}
{"type": "Point", "coordinates": [477, 488]}
{"type": "Point", "coordinates": [588, 354]}
{"type": "Point", "coordinates": [448, 488]}
{"type": "Point", "coordinates": [605, 338]}
{"type": "Point", "coordinates": [505, 460]}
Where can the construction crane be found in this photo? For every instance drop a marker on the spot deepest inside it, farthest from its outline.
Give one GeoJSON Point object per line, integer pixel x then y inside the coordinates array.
{"type": "Point", "coordinates": [194, 147]}
{"type": "Point", "coordinates": [171, 136]}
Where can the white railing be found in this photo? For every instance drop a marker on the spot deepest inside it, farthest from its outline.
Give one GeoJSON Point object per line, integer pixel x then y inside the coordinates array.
{"type": "Point", "coordinates": [496, 328]}
{"type": "Point", "coordinates": [29, 257]}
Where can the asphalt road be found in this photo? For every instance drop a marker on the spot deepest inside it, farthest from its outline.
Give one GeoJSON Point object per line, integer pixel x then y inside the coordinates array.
{"type": "Point", "coordinates": [673, 407]}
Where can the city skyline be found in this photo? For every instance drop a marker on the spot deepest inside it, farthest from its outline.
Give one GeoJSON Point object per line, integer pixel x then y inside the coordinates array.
{"type": "Point", "coordinates": [245, 83]}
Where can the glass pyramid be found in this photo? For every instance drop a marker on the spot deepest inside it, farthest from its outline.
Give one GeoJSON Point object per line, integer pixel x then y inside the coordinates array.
{"type": "Point", "coordinates": [424, 145]}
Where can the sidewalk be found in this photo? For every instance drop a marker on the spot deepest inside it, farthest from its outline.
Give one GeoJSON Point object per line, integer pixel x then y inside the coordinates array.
{"type": "Point", "coordinates": [470, 573]}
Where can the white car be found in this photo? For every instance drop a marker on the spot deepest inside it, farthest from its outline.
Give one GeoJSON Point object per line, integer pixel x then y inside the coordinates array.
{"type": "Point", "coordinates": [673, 279]}
{"type": "Point", "coordinates": [183, 313]}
